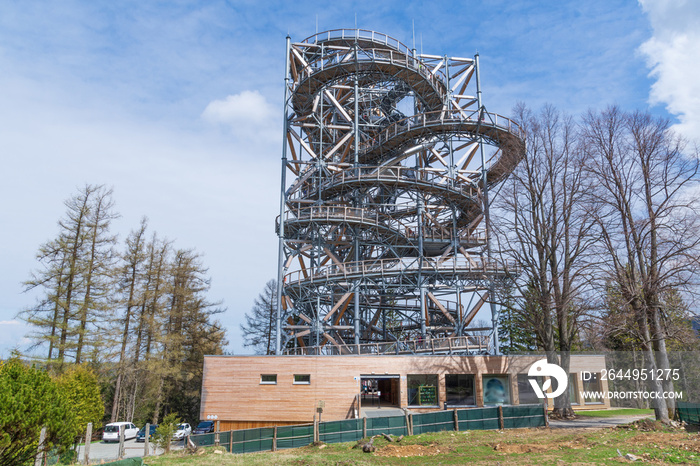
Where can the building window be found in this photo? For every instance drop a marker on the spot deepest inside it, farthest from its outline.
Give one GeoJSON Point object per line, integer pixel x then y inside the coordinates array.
{"type": "Point", "coordinates": [496, 390]}
{"type": "Point", "coordinates": [459, 389]}
{"type": "Point", "coordinates": [526, 393]}
{"type": "Point", "coordinates": [302, 379]}
{"type": "Point", "coordinates": [592, 386]}
{"type": "Point", "coordinates": [422, 390]}
{"type": "Point", "coordinates": [268, 379]}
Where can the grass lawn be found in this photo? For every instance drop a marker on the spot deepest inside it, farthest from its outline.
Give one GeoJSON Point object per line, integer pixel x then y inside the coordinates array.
{"type": "Point", "coordinates": [540, 446]}
{"type": "Point", "coordinates": [616, 412]}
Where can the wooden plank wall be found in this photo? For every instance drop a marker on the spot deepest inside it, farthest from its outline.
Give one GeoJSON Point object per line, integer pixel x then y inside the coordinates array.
{"type": "Point", "coordinates": [238, 425]}
{"type": "Point", "coordinates": [231, 387]}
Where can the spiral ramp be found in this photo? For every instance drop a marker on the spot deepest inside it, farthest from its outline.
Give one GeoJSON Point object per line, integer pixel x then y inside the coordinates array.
{"type": "Point", "coordinates": [387, 164]}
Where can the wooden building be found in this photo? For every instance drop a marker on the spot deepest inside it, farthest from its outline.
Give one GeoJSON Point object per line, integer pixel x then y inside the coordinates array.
{"type": "Point", "coordinates": [254, 391]}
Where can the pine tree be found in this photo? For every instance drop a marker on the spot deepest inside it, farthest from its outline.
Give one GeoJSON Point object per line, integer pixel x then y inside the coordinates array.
{"type": "Point", "coordinates": [141, 318]}
{"type": "Point", "coordinates": [75, 276]}
{"type": "Point", "coordinates": [515, 331]}
{"type": "Point", "coordinates": [97, 272]}
{"type": "Point", "coordinates": [131, 276]}
{"type": "Point", "coordinates": [190, 332]}
{"type": "Point", "coordinates": [259, 329]}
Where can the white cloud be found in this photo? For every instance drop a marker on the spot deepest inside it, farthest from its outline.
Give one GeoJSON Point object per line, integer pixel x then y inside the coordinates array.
{"type": "Point", "coordinates": [673, 54]}
{"type": "Point", "coordinates": [10, 322]}
{"type": "Point", "coordinates": [245, 114]}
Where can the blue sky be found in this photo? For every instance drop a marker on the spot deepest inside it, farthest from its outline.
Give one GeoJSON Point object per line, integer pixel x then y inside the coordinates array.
{"type": "Point", "coordinates": [178, 106]}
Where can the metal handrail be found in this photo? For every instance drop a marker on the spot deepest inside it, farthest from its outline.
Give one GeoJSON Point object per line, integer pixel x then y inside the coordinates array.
{"type": "Point", "coordinates": [423, 121]}
{"type": "Point", "coordinates": [433, 345]}
{"type": "Point", "coordinates": [442, 117]}
{"type": "Point", "coordinates": [325, 213]}
{"type": "Point", "coordinates": [373, 36]}
{"type": "Point", "coordinates": [398, 54]}
{"type": "Point", "coordinates": [391, 267]}
{"type": "Point", "coordinates": [394, 174]}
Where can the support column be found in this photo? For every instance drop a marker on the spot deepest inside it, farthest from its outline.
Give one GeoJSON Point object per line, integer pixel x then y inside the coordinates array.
{"type": "Point", "coordinates": [421, 288]}
{"type": "Point", "coordinates": [487, 216]}
{"type": "Point", "coordinates": [356, 240]}
{"type": "Point", "coordinates": [283, 202]}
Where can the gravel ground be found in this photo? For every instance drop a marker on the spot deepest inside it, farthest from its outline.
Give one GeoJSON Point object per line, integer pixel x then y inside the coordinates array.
{"type": "Point", "coordinates": [110, 451]}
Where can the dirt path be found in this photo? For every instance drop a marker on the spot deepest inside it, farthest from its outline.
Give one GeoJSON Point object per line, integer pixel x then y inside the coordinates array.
{"type": "Point", "coordinates": [583, 422]}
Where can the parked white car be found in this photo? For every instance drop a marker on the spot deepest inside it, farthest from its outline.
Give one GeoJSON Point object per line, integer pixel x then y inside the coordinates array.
{"type": "Point", "coordinates": [111, 432]}
{"type": "Point", "coordinates": [183, 430]}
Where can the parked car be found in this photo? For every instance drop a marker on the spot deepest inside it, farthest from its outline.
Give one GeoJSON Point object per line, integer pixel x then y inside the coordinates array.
{"type": "Point", "coordinates": [112, 430]}
{"type": "Point", "coordinates": [204, 427]}
{"type": "Point", "coordinates": [141, 436]}
{"type": "Point", "coordinates": [183, 430]}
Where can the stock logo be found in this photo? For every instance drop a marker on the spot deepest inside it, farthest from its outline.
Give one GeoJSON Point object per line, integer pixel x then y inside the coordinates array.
{"type": "Point", "coordinates": [544, 369]}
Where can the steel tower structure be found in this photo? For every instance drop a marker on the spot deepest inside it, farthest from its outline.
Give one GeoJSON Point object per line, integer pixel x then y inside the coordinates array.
{"type": "Point", "coordinates": [387, 162]}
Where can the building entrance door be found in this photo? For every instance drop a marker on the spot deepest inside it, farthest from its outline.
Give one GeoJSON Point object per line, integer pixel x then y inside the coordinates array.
{"type": "Point", "coordinates": [379, 391]}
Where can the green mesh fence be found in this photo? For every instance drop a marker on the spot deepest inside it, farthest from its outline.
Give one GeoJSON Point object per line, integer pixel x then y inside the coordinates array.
{"type": "Point", "coordinates": [251, 440]}
{"type": "Point", "coordinates": [688, 412]}
{"type": "Point", "coordinates": [202, 440]}
{"type": "Point", "coordinates": [295, 436]}
{"type": "Point", "coordinates": [433, 422]}
{"type": "Point", "coordinates": [349, 430]}
{"type": "Point", "coordinates": [523, 416]}
{"type": "Point", "coordinates": [225, 439]}
{"type": "Point", "coordinates": [394, 425]}
{"type": "Point", "coordinates": [478, 419]}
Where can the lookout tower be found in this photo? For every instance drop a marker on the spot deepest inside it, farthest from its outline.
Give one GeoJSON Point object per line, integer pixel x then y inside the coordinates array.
{"type": "Point", "coordinates": [387, 163]}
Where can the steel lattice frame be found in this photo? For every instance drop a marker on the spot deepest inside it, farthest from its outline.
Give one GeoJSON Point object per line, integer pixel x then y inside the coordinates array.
{"type": "Point", "coordinates": [387, 161]}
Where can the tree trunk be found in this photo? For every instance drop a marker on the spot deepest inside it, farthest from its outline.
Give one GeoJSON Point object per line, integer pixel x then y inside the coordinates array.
{"type": "Point", "coordinates": [116, 399]}
{"type": "Point", "coordinates": [654, 385]}
{"type": "Point", "coordinates": [662, 362]}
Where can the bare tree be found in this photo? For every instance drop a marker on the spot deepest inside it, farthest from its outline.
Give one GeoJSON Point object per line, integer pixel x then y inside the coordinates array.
{"type": "Point", "coordinates": [545, 228]}
{"type": "Point", "coordinates": [649, 222]}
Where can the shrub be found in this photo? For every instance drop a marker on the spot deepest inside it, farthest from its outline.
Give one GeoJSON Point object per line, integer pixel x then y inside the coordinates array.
{"type": "Point", "coordinates": [30, 400]}
{"type": "Point", "coordinates": [165, 431]}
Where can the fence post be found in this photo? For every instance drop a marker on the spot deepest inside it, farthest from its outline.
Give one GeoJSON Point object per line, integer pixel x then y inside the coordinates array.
{"type": "Point", "coordinates": [274, 439]}
{"type": "Point", "coordinates": [230, 440]}
{"type": "Point", "coordinates": [456, 418]}
{"type": "Point", "coordinates": [88, 438]}
{"type": "Point", "coordinates": [121, 442]}
{"type": "Point", "coordinates": [364, 427]}
{"type": "Point", "coordinates": [501, 424]}
{"type": "Point", "coordinates": [40, 453]}
{"type": "Point", "coordinates": [546, 418]}
{"type": "Point", "coordinates": [217, 439]}
{"type": "Point", "coordinates": [315, 429]}
{"type": "Point", "coordinates": [410, 424]}
{"type": "Point", "coordinates": [147, 439]}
